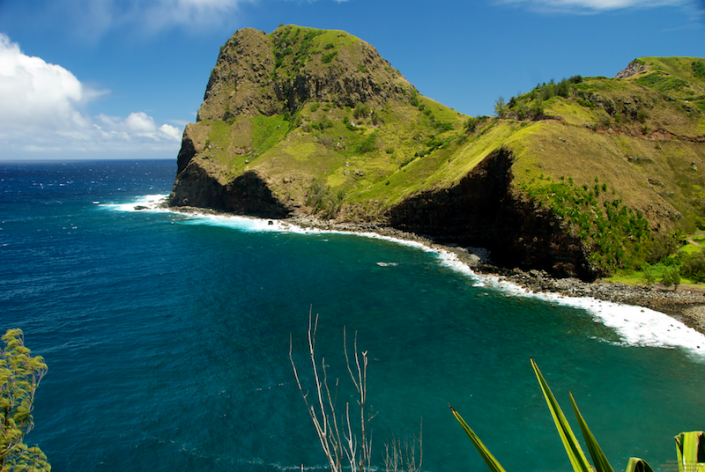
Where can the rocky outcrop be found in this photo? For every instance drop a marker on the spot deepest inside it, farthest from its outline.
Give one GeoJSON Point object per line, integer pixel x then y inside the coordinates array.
{"type": "Point", "coordinates": [248, 194]}
{"type": "Point", "coordinates": [633, 68]}
{"type": "Point", "coordinates": [259, 74]}
{"type": "Point", "coordinates": [483, 210]}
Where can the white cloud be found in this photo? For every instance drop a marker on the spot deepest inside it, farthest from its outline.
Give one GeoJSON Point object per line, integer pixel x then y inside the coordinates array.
{"type": "Point", "coordinates": [43, 110]}
{"type": "Point", "coordinates": [588, 6]}
{"type": "Point", "coordinates": [93, 18]}
{"type": "Point", "coordinates": [171, 131]}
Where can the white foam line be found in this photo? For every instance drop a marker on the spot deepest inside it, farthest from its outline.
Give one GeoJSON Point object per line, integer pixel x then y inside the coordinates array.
{"type": "Point", "coordinates": [635, 325]}
{"type": "Point", "coordinates": [147, 202]}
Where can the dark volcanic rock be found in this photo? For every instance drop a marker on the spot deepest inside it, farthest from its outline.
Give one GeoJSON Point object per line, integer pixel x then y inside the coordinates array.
{"type": "Point", "coordinates": [482, 210]}
{"type": "Point", "coordinates": [248, 194]}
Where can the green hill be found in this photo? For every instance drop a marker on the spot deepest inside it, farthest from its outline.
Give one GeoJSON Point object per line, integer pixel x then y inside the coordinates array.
{"type": "Point", "coordinates": [579, 177]}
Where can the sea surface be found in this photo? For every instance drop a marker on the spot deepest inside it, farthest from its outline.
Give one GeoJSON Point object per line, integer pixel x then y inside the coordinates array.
{"type": "Point", "coordinates": [167, 339]}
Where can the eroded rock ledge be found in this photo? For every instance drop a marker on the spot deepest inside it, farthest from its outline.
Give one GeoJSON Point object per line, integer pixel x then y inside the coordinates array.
{"type": "Point", "coordinates": [247, 194]}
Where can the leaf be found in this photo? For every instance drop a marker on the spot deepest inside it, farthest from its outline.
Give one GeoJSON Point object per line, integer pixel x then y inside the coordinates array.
{"type": "Point", "coordinates": [487, 456]}
{"type": "Point", "coordinates": [598, 457]}
{"type": "Point", "coordinates": [638, 465]}
{"type": "Point", "coordinates": [570, 442]}
{"type": "Point", "coordinates": [687, 446]}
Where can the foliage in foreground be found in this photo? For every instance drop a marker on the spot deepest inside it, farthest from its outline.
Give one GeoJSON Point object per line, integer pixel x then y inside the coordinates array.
{"type": "Point", "coordinates": [689, 446]}
{"type": "Point", "coordinates": [20, 374]}
{"type": "Point", "coordinates": [345, 436]}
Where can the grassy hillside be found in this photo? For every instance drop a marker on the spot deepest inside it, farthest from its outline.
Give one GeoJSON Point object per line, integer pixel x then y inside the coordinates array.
{"type": "Point", "coordinates": [337, 132]}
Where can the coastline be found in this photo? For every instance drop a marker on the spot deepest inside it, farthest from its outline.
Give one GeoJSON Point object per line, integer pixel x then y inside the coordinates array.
{"type": "Point", "coordinates": [685, 306]}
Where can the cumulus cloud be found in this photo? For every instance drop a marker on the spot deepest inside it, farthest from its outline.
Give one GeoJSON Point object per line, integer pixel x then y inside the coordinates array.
{"type": "Point", "coordinates": [43, 109]}
{"type": "Point", "coordinates": [588, 6]}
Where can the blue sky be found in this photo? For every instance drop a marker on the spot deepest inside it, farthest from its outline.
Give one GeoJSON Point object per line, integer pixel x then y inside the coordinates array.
{"type": "Point", "coordinates": [120, 78]}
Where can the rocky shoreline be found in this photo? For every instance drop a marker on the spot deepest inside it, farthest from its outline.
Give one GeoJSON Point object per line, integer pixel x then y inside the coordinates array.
{"type": "Point", "coordinates": [685, 305]}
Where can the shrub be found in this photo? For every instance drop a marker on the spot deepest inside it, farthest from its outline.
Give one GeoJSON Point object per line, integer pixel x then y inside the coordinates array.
{"type": "Point", "coordinates": [444, 126]}
{"type": "Point", "coordinates": [327, 58]}
{"type": "Point", "coordinates": [522, 111]}
{"type": "Point", "coordinates": [649, 276]}
{"type": "Point", "coordinates": [414, 101]}
{"type": "Point", "coordinates": [671, 276]}
{"type": "Point", "coordinates": [585, 103]}
{"type": "Point", "coordinates": [694, 267]}
{"type": "Point", "coordinates": [537, 109]}
{"type": "Point", "coordinates": [699, 69]}
{"type": "Point", "coordinates": [325, 123]}
{"type": "Point", "coordinates": [329, 46]}
{"type": "Point", "coordinates": [642, 116]}
{"type": "Point", "coordinates": [376, 119]}
{"type": "Point", "coordinates": [314, 107]}
{"type": "Point", "coordinates": [369, 144]}
{"type": "Point", "coordinates": [471, 124]}
{"type": "Point", "coordinates": [562, 89]}
{"type": "Point", "coordinates": [361, 111]}
{"type": "Point", "coordinates": [389, 150]}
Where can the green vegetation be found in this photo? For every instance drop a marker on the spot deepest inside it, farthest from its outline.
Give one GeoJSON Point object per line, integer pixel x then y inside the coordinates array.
{"type": "Point", "coordinates": [329, 57]}
{"type": "Point", "coordinates": [501, 108]}
{"type": "Point", "coordinates": [20, 374]}
{"type": "Point", "coordinates": [381, 142]}
{"type": "Point", "coordinates": [689, 446]}
{"type": "Point", "coordinates": [671, 276]}
{"type": "Point", "coordinates": [699, 69]}
{"type": "Point", "coordinates": [617, 236]}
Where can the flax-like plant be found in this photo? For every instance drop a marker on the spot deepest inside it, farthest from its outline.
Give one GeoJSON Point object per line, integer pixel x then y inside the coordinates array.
{"type": "Point", "coordinates": [690, 446]}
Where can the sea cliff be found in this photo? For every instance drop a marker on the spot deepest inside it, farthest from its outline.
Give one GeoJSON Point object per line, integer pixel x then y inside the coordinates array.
{"type": "Point", "coordinates": [577, 178]}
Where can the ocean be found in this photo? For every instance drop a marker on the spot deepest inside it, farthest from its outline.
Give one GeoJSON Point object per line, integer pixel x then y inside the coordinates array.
{"type": "Point", "coordinates": [167, 338]}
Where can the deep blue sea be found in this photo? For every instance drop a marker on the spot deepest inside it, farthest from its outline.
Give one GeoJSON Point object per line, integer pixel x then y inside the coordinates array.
{"type": "Point", "coordinates": [167, 339]}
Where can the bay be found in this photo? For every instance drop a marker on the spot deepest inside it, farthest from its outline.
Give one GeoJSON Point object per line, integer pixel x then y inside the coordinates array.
{"type": "Point", "coordinates": [167, 339]}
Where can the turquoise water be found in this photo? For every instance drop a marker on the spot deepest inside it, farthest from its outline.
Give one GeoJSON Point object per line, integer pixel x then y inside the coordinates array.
{"type": "Point", "coordinates": [167, 340]}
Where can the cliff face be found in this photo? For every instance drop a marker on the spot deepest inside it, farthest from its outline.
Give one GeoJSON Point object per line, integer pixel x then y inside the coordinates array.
{"type": "Point", "coordinates": [484, 210]}
{"type": "Point", "coordinates": [571, 179]}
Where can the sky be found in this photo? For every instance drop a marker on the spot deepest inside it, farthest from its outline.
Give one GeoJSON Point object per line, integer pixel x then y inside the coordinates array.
{"type": "Point", "coordinates": [106, 79]}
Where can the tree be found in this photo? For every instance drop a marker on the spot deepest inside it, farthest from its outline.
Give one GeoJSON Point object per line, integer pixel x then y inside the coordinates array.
{"type": "Point", "coordinates": [649, 276]}
{"type": "Point", "coordinates": [537, 109]}
{"type": "Point", "coordinates": [20, 374]}
{"type": "Point", "coordinates": [500, 108]}
{"type": "Point", "coordinates": [671, 276]}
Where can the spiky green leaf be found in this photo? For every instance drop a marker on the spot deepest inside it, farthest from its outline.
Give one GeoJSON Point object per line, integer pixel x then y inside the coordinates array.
{"type": "Point", "coordinates": [487, 456]}
{"type": "Point", "coordinates": [570, 442]}
{"type": "Point", "coordinates": [638, 465]}
{"type": "Point", "coordinates": [598, 457]}
{"type": "Point", "coordinates": [690, 448]}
